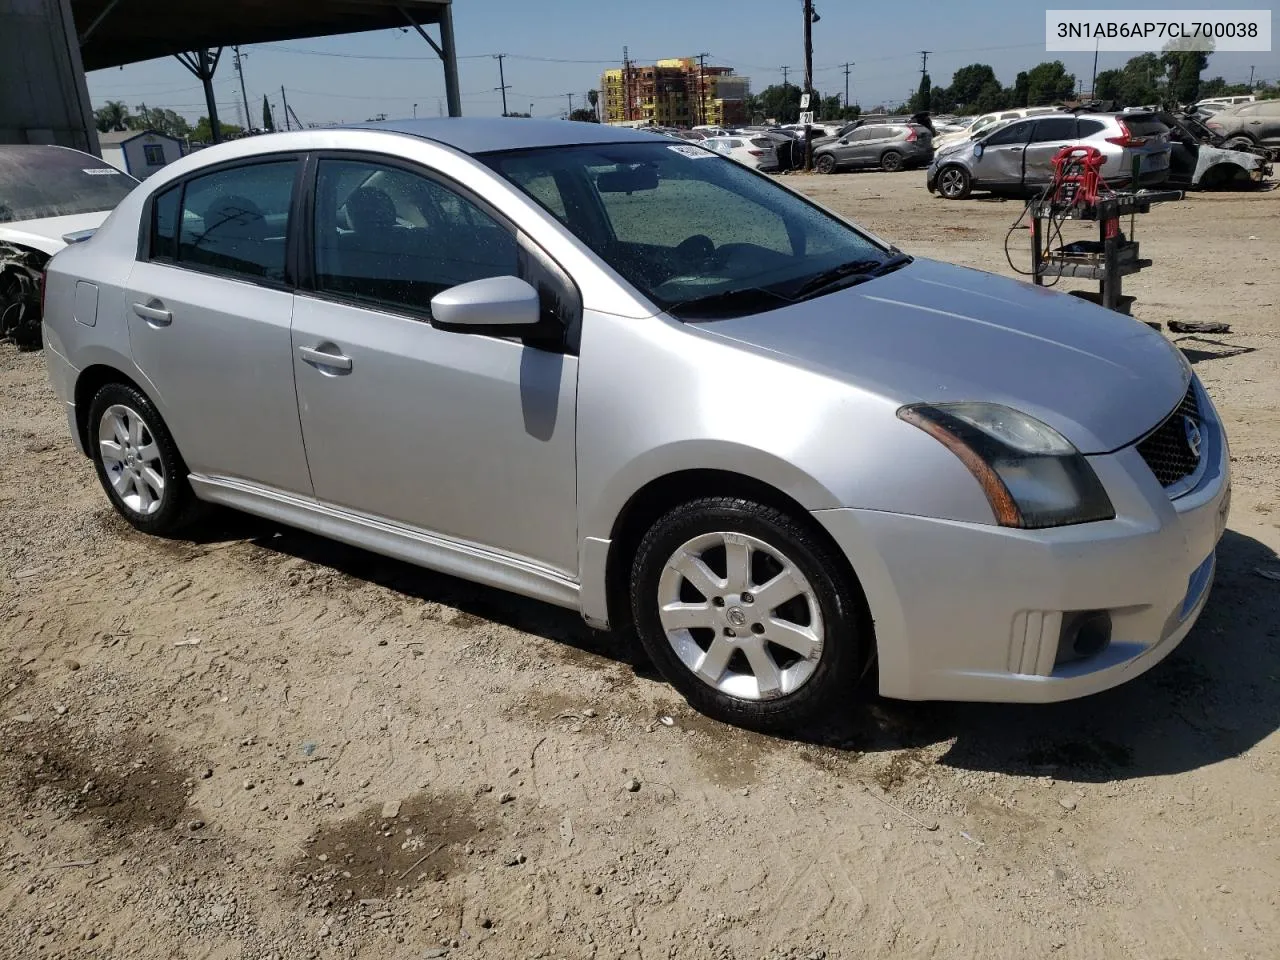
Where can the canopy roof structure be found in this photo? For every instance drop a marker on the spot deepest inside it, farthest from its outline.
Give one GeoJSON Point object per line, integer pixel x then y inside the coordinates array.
{"type": "Point", "coordinates": [116, 32]}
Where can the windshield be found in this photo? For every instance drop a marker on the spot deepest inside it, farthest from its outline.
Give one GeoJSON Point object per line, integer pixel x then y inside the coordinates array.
{"type": "Point", "coordinates": [686, 227]}
{"type": "Point", "coordinates": [38, 182]}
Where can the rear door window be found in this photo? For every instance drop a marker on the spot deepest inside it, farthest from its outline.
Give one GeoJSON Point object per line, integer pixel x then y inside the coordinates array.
{"type": "Point", "coordinates": [1054, 129]}
{"type": "Point", "coordinates": [236, 221]}
{"type": "Point", "coordinates": [1013, 133]}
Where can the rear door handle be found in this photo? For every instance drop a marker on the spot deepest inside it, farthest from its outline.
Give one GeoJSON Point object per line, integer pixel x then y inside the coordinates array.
{"type": "Point", "coordinates": [319, 358]}
{"type": "Point", "coordinates": [156, 316]}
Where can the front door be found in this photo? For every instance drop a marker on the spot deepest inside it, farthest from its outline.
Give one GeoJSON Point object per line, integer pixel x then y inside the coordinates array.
{"type": "Point", "coordinates": [209, 307]}
{"type": "Point", "coordinates": [1001, 162]}
{"type": "Point", "coordinates": [467, 436]}
{"type": "Point", "coordinates": [1050, 135]}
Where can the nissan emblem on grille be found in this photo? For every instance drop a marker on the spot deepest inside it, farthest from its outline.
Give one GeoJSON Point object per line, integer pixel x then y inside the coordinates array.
{"type": "Point", "coordinates": [1192, 430]}
{"type": "Point", "coordinates": [1172, 450]}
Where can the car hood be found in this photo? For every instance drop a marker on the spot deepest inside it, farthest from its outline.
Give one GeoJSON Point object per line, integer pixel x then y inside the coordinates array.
{"type": "Point", "coordinates": [935, 332]}
{"type": "Point", "coordinates": [46, 234]}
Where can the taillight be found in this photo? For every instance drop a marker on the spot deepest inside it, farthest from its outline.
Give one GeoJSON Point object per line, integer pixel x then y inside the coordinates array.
{"type": "Point", "coordinates": [911, 134]}
{"type": "Point", "coordinates": [1126, 139]}
{"type": "Point", "coordinates": [756, 153]}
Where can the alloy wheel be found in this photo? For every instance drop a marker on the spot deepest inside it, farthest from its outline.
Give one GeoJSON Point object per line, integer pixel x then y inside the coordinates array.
{"type": "Point", "coordinates": [951, 183]}
{"type": "Point", "coordinates": [131, 458]}
{"type": "Point", "coordinates": [740, 616]}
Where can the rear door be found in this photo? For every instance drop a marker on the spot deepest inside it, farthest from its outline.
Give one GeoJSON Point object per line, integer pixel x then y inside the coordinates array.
{"type": "Point", "coordinates": [1000, 165]}
{"type": "Point", "coordinates": [863, 149]}
{"type": "Point", "coordinates": [209, 306]}
{"type": "Point", "coordinates": [1049, 135]}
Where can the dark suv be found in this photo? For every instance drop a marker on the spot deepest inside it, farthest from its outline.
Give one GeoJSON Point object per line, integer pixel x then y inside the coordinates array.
{"type": "Point", "coordinates": [889, 146]}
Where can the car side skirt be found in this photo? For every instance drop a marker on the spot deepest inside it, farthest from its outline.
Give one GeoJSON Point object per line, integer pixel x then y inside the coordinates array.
{"type": "Point", "coordinates": [464, 560]}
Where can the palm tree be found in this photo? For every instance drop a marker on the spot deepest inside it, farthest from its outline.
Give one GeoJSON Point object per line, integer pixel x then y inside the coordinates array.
{"type": "Point", "coordinates": [113, 116]}
{"type": "Point", "coordinates": [593, 98]}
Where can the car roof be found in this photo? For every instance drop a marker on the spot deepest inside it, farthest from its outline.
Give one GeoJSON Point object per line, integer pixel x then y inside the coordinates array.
{"type": "Point", "coordinates": [487, 134]}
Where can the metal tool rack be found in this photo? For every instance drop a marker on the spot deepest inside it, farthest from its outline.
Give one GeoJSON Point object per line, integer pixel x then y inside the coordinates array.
{"type": "Point", "coordinates": [1112, 258]}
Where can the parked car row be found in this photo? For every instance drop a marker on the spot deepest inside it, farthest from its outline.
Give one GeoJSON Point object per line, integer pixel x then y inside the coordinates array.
{"type": "Point", "coordinates": [1012, 153]}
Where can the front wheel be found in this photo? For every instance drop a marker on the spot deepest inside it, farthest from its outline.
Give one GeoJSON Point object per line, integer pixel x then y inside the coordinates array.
{"type": "Point", "coordinates": [891, 161]}
{"type": "Point", "coordinates": [137, 461]}
{"type": "Point", "coordinates": [825, 163]}
{"type": "Point", "coordinates": [954, 183]}
{"type": "Point", "coordinates": [745, 611]}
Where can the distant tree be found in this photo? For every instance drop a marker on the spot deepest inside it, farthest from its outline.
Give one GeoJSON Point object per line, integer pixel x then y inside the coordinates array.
{"type": "Point", "coordinates": [113, 115]}
{"type": "Point", "coordinates": [1049, 82]}
{"type": "Point", "coordinates": [968, 84]}
{"type": "Point", "coordinates": [202, 132]}
{"type": "Point", "coordinates": [1017, 97]}
{"type": "Point", "coordinates": [593, 98]}
{"type": "Point", "coordinates": [1108, 84]}
{"type": "Point", "coordinates": [780, 103]}
{"type": "Point", "coordinates": [1217, 87]}
{"type": "Point", "coordinates": [1140, 84]}
{"type": "Point", "coordinates": [830, 108]}
{"type": "Point", "coordinates": [160, 120]}
{"type": "Point", "coordinates": [922, 97]}
{"type": "Point", "coordinates": [1184, 67]}
{"type": "Point", "coordinates": [992, 96]}
{"type": "Point", "coordinates": [584, 115]}
{"type": "Point", "coordinates": [513, 113]}
{"type": "Point", "coordinates": [268, 124]}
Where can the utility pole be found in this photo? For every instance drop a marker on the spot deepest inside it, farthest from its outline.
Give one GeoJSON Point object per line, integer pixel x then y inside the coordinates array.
{"type": "Point", "coordinates": [285, 103]}
{"type": "Point", "coordinates": [1251, 78]}
{"type": "Point", "coordinates": [846, 83]}
{"type": "Point", "coordinates": [702, 89]}
{"type": "Point", "coordinates": [569, 115]}
{"type": "Point", "coordinates": [924, 62]}
{"type": "Point", "coordinates": [809, 16]}
{"type": "Point", "coordinates": [248, 122]}
{"type": "Point", "coordinates": [502, 81]}
{"type": "Point", "coordinates": [785, 70]}
{"type": "Point", "coordinates": [1093, 83]}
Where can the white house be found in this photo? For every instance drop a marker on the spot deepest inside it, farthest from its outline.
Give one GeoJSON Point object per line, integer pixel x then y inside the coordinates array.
{"type": "Point", "coordinates": [139, 152]}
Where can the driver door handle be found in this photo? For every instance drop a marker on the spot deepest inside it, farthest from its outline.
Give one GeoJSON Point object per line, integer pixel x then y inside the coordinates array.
{"type": "Point", "coordinates": [319, 358]}
{"type": "Point", "coordinates": [156, 316]}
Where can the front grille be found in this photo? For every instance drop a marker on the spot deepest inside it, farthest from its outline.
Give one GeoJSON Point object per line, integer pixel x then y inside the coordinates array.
{"type": "Point", "coordinates": [1168, 450]}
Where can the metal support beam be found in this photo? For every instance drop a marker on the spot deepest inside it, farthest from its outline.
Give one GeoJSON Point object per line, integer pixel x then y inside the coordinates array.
{"type": "Point", "coordinates": [447, 53]}
{"type": "Point", "coordinates": [89, 30]}
{"type": "Point", "coordinates": [203, 64]}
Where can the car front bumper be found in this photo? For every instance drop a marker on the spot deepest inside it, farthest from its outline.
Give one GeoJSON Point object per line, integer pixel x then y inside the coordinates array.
{"type": "Point", "coordinates": [967, 611]}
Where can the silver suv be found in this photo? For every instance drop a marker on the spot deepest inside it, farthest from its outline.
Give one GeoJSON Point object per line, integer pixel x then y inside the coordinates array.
{"type": "Point", "coordinates": [1018, 158]}
{"type": "Point", "coordinates": [887, 146]}
{"type": "Point", "coordinates": [633, 378]}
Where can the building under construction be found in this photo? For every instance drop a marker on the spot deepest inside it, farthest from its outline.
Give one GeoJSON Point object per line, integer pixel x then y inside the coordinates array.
{"type": "Point", "coordinates": [675, 93]}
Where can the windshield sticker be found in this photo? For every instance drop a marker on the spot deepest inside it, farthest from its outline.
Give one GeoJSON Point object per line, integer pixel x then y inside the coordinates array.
{"type": "Point", "coordinates": [101, 171]}
{"type": "Point", "coordinates": [693, 153]}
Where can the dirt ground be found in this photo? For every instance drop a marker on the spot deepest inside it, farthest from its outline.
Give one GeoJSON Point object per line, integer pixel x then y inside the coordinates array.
{"type": "Point", "coordinates": [263, 745]}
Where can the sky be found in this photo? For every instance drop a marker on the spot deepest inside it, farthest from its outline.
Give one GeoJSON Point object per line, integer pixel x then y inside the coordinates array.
{"type": "Point", "coordinates": [560, 47]}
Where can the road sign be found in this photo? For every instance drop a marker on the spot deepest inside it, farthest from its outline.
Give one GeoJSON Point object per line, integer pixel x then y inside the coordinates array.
{"type": "Point", "coordinates": [804, 101]}
{"type": "Point", "coordinates": [806, 117]}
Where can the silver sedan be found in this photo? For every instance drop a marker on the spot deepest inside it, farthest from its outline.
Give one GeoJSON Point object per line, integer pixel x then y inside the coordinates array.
{"type": "Point", "coordinates": [630, 377]}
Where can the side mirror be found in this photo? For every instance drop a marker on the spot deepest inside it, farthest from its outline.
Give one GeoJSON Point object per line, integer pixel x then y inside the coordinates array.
{"type": "Point", "coordinates": [501, 306]}
{"type": "Point", "coordinates": [977, 151]}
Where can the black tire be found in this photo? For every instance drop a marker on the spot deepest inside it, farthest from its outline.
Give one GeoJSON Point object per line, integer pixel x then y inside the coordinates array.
{"type": "Point", "coordinates": [177, 506]}
{"type": "Point", "coordinates": [846, 636]}
{"type": "Point", "coordinates": [825, 163]}
{"type": "Point", "coordinates": [891, 161]}
{"type": "Point", "coordinates": [1240, 142]}
{"type": "Point", "coordinates": [954, 183]}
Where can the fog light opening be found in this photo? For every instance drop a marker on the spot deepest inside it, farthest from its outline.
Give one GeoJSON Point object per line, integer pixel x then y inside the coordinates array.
{"type": "Point", "coordinates": [1084, 634]}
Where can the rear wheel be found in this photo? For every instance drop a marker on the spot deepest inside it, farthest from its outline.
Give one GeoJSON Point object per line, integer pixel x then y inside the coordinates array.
{"type": "Point", "coordinates": [744, 610]}
{"type": "Point", "coordinates": [954, 183]}
{"type": "Point", "coordinates": [826, 163]}
{"type": "Point", "coordinates": [137, 461]}
{"type": "Point", "coordinates": [1240, 143]}
{"type": "Point", "coordinates": [891, 161]}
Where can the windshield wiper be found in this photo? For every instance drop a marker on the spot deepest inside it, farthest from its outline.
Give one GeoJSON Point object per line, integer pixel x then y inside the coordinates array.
{"type": "Point", "coordinates": [855, 271]}
{"type": "Point", "coordinates": [730, 303]}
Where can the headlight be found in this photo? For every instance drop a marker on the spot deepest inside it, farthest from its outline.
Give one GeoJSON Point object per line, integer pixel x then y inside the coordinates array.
{"type": "Point", "coordinates": [1031, 474]}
